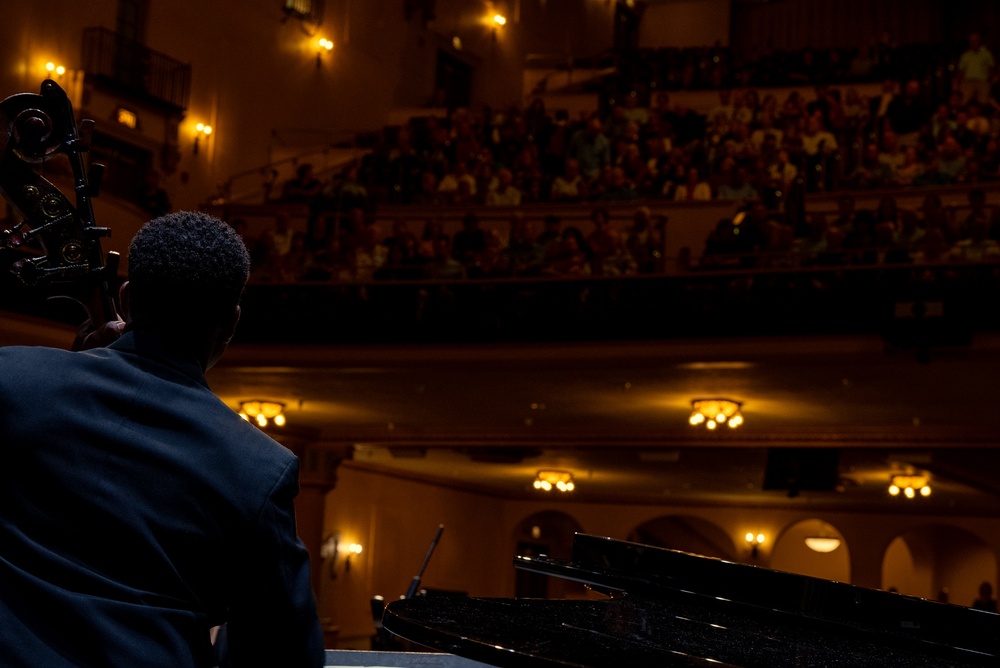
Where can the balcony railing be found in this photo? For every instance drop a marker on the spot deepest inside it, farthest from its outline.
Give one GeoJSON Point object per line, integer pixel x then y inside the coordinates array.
{"type": "Point", "coordinates": [135, 69]}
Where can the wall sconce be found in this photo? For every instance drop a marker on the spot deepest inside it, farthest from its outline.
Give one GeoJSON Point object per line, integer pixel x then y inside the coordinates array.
{"type": "Point", "coordinates": [201, 130]}
{"type": "Point", "coordinates": [332, 549]}
{"type": "Point", "coordinates": [560, 480]}
{"type": "Point", "coordinates": [910, 485]}
{"type": "Point", "coordinates": [713, 412]}
{"type": "Point", "coordinates": [323, 45]}
{"type": "Point", "coordinates": [263, 412]}
{"type": "Point", "coordinates": [754, 541]}
{"type": "Point", "coordinates": [497, 22]}
{"type": "Point", "coordinates": [822, 543]}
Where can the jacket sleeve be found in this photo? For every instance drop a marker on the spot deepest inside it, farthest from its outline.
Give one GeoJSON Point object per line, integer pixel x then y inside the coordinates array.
{"type": "Point", "coordinates": [273, 619]}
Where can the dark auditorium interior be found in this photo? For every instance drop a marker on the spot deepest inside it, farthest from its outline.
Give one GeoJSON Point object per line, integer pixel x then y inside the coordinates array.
{"type": "Point", "coordinates": [719, 276]}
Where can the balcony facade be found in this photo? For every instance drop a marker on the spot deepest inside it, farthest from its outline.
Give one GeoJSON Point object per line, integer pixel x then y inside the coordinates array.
{"type": "Point", "coordinates": [135, 70]}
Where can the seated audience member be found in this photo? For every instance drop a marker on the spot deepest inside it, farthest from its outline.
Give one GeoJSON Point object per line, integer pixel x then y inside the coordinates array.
{"type": "Point", "coordinates": [433, 230]}
{"type": "Point", "coordinates": [616, 187]}
{"type": "Point", "coordinates": [442, 265]}
{"type": "Point", "coordinates": [469, 241]}
{"type": "Point", "coordinates": [332, 263]}
{"type": "Point", "coordinates": [911, 169]}
{"type": "Point", "coordinates": [429, 194]}
{"type": "Point", "coordinates": [870, 171]}
{"type": "Point", "coordinates": [891, 154]}
{"type": "Point", "coordinates": [275, 245]}
{"type": "Point", "coordinates": [458, 186]}
{"type": "Point", "coordinates": [934, 247]}
{"type": "Point", "coordinates": [985, 600]}
{"type": "Point", "coordinates": [349, 192]}
{"type": "Point", "coordinates": [833, 253]}
{"type": "Point", "coordinates": [693, 188]}
{"type": "Point", "coordinates": [949, 166]}
{"type": "Point", "coordinates": [524, 255]}
{"type": "Point", "coordinates": [296, 263]}
{"type": "Point", "coordinates": [551, 233]}
{"type": "Point", "coordinates": [505, 194]}
{"type": "Point", "coordinates": [644, 241]}
{"type": "Point", "coordinates": [401, 237]}
{"type": "Point", "coordinates": [369, 253]}
{"type": "Point", "coordinates": [809, 246]}
{"type": "Point", "coordinates": [491, 262]}
{"type": "Point", "coordinates": [590, 148]}
{"type": "Point", "coordinates": [603, 240]}
{"type": "Point", "coordinates": [910, 233]}
{"type": "Point", "coordinates": [978, 247]}
{"type": "Point", "coordinates": [739, 188]}
{"type": "Point", "coordinates": [570, 256]}
{"type": "Point", "coordinates": [569, 186]}
{"type": "Point", "coordinates": [303, 187]}
{"type": "Point", "coordinates": [783, 172]}
{"type": "Point", "coordinates": [887, 249]}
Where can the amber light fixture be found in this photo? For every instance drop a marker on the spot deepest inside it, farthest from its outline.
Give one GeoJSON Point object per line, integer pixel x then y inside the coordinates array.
{"type": "Point", "coordinates": [754, 540]}
{"type": "Point", "coordinates": [263, 412]}
{"type": "Point", "coordinates": [713, 412]}
{"type": "Point", "coordinates": [333, 549]}
{"type": "Point", "coordinates": [910, 485]}
{"type": "Point", "coordinates": [201, 131]}
{"type": "Point", "coordinates": [822, 543]}
{"type": "Point", "coordinates": [324, 45]}
{"type": "Point", "coordinates": [549, 480]}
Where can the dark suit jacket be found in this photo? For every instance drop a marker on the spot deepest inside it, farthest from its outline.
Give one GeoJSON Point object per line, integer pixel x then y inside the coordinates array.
{"type": "Point", "coordinates": [137, 511]}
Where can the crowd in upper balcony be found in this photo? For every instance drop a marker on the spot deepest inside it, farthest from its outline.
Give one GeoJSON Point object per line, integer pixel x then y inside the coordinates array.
{"type": "Point", "coordinates": [934, 120]}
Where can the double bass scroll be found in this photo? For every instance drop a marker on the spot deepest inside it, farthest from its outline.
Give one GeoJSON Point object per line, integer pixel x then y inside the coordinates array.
{"type": "Point", "coordinates": [56, 245]}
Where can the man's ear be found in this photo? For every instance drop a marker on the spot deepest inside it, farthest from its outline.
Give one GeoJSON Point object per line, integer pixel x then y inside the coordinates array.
{"type": "Point", "coordinates": [125, 301]}
{"type": "Point", "coordinates": [229, 327]}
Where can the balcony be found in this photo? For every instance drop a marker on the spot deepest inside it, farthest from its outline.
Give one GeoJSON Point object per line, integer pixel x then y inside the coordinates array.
{"type": "Point", "coordinates": [133, 69]}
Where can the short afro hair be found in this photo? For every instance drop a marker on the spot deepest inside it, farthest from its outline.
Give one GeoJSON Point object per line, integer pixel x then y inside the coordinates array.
{"type": "Point", "coordinates": [184, 265]}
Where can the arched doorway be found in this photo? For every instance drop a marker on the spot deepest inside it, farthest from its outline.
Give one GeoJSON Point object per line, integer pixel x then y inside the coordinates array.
{"type": "Point", "coordinates": [687, 534]}
{"type": "Point", "coordinates": [815, 548]}
{"type": "Point", "coordinates": [550, 533]}
{"type": "Point", "coordinates": [939, 562]}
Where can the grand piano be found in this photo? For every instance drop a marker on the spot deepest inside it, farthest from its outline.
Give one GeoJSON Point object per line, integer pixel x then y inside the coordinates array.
{"type": "Point", "coordinates": [660, 607]}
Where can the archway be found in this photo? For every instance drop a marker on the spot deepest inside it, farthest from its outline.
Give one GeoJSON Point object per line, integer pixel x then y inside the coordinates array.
{"type": "Point", "coordinates": [549, 532]}
{"type": "Point", "coordinates": [687, 534]}
{"type": "Point", "coordinates": [940, 562]}
{"type": "Point", "coordinates": [815, 548]}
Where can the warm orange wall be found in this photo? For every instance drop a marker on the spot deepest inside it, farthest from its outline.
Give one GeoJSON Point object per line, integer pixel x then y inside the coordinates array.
{"type": "Point", "coordinates": [395, 520]}
{"type": "Point", "coordinates": [685, 23]}
{"type": "Point", "coordinates": [255, 77]}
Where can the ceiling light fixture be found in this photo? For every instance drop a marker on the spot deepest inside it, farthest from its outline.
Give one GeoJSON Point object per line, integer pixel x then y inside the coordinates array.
{"type": "Point", "coordinates": [910, 485]}
{"type": "Point", "coordinates": [822, 543]}
{"type": "Point", "coordinates": [560, 480]}
{"type": "Point", "coordinates": [713, 412]}
{"type": "Point", "coordinates": [263, 412]}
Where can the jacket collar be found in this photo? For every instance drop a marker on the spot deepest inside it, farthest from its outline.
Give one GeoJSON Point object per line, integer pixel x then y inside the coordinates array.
{"type": "Point", "coordinates": [150, 345]}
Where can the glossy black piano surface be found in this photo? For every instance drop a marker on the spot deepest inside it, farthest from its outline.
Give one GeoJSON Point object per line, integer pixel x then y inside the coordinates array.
{"type": "Point", "coordinates": [668, 608]}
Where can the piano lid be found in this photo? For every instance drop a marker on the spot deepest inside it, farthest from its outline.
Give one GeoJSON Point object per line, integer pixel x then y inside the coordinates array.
{"type": "Point", "coordinates": [670, 608]}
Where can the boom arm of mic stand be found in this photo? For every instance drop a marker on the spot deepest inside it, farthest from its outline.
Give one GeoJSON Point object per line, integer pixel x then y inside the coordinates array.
{"type": "Point", "coordinates": [415, 583]}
